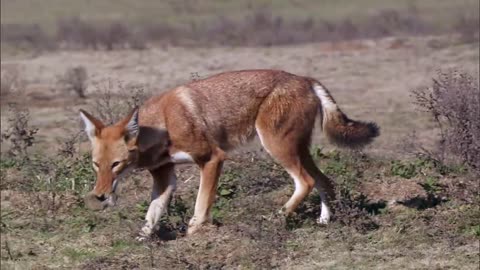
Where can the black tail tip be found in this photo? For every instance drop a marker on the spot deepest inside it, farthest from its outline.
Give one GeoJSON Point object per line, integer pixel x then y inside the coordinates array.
{"type": "Point", "coordinates": [352, 134]}
{"type": "Point", "coordinates": [373, 129]}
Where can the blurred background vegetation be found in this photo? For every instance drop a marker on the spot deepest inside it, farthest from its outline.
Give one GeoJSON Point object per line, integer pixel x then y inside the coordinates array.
{"type": "Point", "coordinates": [109, 24]}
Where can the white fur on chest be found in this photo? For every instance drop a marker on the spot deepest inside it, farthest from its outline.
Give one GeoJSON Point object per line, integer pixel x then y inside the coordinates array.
{"type": "Point", "coordinates": [181, 157]}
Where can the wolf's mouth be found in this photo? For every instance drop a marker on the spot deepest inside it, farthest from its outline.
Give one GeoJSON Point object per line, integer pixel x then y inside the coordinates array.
{"type": "Point", "coordinates": [95, 202]}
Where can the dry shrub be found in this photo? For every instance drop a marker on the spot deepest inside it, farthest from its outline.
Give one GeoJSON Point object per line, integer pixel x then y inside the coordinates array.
{"type": "Point", "coordinates": [453, 100]}
{"type": "Point", "coordinates": [11, 81]}
{"type": "Point", "coordinates": [26, 36]}
{"type": "Point", "coordinates": [68, 170]}
{"type": "Point", "coordinates": [115, 35]}
{"type": "Point", "coordinates": [390, 22]}
{"type": "Point", "coordinates": [259, 28]}
{"type": "Point", "coordinates": [20, 135]}
{"type": "Point", "coordinates": [75, 79]}
{"type": "Point", "coordinates": [468, 26]}
{"type": "Point", "coordinates": [116, 100]}
{"type": "Point", "coordinates": [161, 33]}
{"type": "Point", "coordinates": [138, 41]}
{"type": "Point", "coordinates": [76, 33]}
{"type": "Point", "coordinates": [262, 28]}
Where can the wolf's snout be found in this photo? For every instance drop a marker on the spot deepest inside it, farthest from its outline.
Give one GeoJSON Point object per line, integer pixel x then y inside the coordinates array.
{"type": "Point", "coordinates": [101, 197]}
{"type": "Point", "coordinates": [94, 202]}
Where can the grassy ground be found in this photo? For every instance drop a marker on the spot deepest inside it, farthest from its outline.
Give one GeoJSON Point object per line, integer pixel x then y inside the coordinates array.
{"type": "Point", "coordinates": [429, 227]}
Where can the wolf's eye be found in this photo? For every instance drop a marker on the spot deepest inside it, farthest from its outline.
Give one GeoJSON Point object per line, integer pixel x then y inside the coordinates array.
{"type": "Point", "coordinates": [115, 164]}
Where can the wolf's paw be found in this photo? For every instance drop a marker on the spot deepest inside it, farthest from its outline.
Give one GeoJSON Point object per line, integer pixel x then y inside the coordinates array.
{"type": "Point", "coordinates": [194, 228]}
{"type": "Point", "coordinates": [323, 220]}
{"type": "Point", "coordinates": [142, 238]}
{"type": "Point", "coordinates": [145, 233]}
{"type": "Point", "coordinates": [282, 212]}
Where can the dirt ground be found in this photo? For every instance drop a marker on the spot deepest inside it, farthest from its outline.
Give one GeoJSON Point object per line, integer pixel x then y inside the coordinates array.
{"type": "Point", "coordinates": [371, 80]}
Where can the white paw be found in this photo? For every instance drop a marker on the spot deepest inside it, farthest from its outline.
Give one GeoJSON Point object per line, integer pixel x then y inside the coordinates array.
{"type": "Point", "coordinates": [193, 225]}
{"type": "Point", "coordinates": [283, 212]}
{"type": "Point", "coordinates": [192, 222]}
{"type": "Point", "coordinates": [141, 238]}
{"type": "Point", "coordinates": [193, 229]}
{"type": "Point", "coordinates": [323, 220]}
{"type": "Point", "coordinates": [147, 230]}
{"type": "Point", "coordinates": [145, 233]}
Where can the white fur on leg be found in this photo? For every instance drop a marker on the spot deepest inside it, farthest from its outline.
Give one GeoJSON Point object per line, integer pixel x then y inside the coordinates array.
{"type": "Point", "coordinates": [157, 207]}
{"type": "Point", "coordinates": [193, 225]}
{"type": "Point", "coordinates": [299, 189]}
{"type": "Point", "coordinates": [155, 211]}
{"type": "Point", "coordinates": [325, 212]}
{"type": "Point", "coordinates": [199, 215]}
{"type": "Point", "coordinates": [196, 222]}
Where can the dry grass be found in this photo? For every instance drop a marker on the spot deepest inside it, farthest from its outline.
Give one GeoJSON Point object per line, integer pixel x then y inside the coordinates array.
{"type": "Point", "coordinates": [247, 234]}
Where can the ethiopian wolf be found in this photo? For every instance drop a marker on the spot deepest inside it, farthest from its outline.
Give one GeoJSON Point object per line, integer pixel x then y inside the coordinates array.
{"type": "Point", "coordinates": [201, 121]}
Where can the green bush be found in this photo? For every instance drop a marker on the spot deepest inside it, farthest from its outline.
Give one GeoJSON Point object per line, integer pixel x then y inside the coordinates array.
{"type": "Point", "coordinates": [403, 169]}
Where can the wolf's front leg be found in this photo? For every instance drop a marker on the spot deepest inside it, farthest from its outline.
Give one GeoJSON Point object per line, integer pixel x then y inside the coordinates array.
{"type": "Point", "coordinates": [210, 172]}
{"type": "Point", "coordinates": [164, 184]}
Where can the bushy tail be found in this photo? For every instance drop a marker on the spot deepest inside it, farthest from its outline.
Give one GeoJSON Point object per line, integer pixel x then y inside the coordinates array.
{"type": "Point", "coordinates": [338, 128]}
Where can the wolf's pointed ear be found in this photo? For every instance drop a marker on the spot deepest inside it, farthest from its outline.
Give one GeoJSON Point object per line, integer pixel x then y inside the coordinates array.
{"type": "Point", "coordinates": [131, 124]}
{"type": "Point", "coordinates": [93, 126]}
